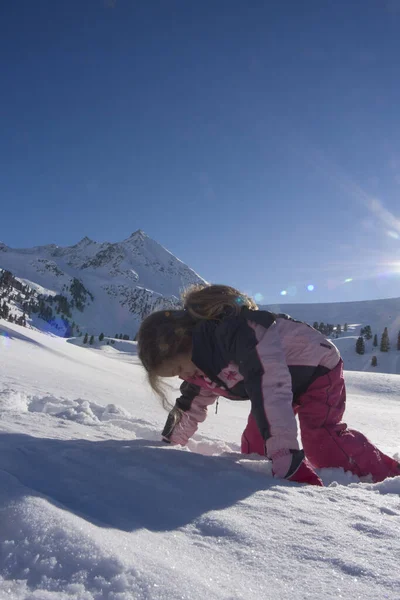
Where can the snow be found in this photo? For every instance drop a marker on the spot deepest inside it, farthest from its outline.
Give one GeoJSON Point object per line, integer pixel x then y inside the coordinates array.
{"type": "Point", "coordinates": [376, 313]}
{"type": "Point", "coordinates": [94, 506]}
{"type": "Point", "coordinates": [131, 277]}
{"type": "Point", "coordinates": [116, 274]}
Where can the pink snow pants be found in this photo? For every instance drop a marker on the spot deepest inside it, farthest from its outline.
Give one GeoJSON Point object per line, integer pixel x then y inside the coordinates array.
{"type": "Point", "coordinates": [327, 441]}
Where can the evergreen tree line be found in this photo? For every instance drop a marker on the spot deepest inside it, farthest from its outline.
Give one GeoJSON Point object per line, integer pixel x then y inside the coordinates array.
{"type": "Point", "coordinates": [384, 345]}
{"type": "Point", "coordinates": [12, 289]}
{"type": "Point", "coordinates": [55, 310]}
{"type": "Point", "coordinates": [329, 329]}
{"type": "Point", "coordinates": [90, 339]}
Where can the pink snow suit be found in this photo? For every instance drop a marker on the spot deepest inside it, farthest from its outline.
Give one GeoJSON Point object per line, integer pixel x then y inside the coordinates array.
{"type": "Point", "coordinates": [285, 367]}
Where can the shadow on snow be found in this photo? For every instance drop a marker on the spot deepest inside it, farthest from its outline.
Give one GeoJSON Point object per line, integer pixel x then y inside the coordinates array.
{"type": "Point", "coordinates": [126, 484]}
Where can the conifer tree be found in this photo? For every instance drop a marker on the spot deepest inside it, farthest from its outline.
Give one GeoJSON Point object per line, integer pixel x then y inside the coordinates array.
{"type": "Point", "coordinates": [85, 339]}
{"type": "Point", "coordinates": [91, 340]}
{"type": "Point", "coordinates": [367, 332]}
{"type": "Point", "coordinates": [338, 329]}
{"type": "Point", "coordinates": [315, 325]}
{"type": "Point", "coordinates": [346, 327]}
{"type": "Point", "coordinates": [101, 337]}
{"type": "Point", "coordinates": [375, 342]}
{"type": "Point", "coordinates": [385, 343]}
{"type": "Point", "coordinates": [398, 341]}
{"type": "Point", "coordinates": [360, 345]}
{"type": "Point", "coordinates": [374, 361]}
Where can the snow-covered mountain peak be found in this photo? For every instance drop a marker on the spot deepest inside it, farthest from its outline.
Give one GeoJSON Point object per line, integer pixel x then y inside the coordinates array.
{"type": "Point", "coordinates": [139, 234]}
{"type": "Point", "coordinates": [122, 281]}
{"type": "Point", "coordinates": [86, 241]}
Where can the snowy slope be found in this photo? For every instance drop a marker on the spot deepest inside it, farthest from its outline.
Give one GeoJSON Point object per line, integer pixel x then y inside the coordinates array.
{"type": "Point", "coordinates": [127, 279]}
{"type": "Point", "coordinates": [94, 506]}
{"type": "Point", "coordinates": [376, 313]}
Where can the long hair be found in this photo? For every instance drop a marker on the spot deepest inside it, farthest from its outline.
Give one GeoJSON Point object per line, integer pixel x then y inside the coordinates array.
{"type": "Point", "coordinates": [164, 335]}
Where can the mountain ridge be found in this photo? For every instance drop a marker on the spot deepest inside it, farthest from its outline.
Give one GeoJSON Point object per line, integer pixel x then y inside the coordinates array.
{"type": "Point", "coordinates": [109, 287]}
{"type": "Point", "coordinates": [126, 279]}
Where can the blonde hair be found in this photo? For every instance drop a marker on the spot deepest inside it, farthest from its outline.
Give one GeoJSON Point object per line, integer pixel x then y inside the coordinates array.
{"type": "Point", "coordinates": [215, 302]}
{"type": "Point", "coordinates": [163, 335]}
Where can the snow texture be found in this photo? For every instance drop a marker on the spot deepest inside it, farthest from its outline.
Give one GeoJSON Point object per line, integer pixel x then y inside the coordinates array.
{"type": "Point", "coordinates": [93, 506]}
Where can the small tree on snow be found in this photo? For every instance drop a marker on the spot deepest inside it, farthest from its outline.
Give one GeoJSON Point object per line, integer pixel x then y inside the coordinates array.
{"type": "Point", "coordinates": [375, 343]}
{"type": "Point", "coordinates": [374, 361]}
{"type": "Point", "coordinates": [338, 329]}
{"type": "Point", "coordinates": [85, 339]}
{"type": "Point", "coordinates": [91, 340]}
{"type": "Point", "coordinates": [360, 345]}
{"type": "Point", "coordinates": [346, 327]}
{"type": "Point", "coordinates": [398, 341]}
{"type": "Point", "coordinates": [101, 337]}
{"type": "Point", "coordinates": [385, 343]}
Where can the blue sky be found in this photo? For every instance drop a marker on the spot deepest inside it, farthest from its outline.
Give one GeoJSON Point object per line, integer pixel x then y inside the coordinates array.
{"type": "Point", "coordinates": [258, 141]}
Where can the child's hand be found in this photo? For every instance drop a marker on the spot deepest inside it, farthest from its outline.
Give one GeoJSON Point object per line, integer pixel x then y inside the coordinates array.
{"type": "Point", "coordinates": [293, 466]}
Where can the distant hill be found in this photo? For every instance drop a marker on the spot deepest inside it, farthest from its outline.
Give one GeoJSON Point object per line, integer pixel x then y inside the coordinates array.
{"type": "Point", "coordinates": [376, 313]}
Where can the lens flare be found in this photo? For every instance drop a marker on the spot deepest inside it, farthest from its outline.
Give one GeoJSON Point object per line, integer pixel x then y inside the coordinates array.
{"type": "Point", "coordinates": [284, 293]}
{"type": "Point", "coordinates": [310, 288]}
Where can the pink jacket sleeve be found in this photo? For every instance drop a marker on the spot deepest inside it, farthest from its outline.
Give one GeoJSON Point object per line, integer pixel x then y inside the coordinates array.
{"type": "Point", "coordinates": [190, 410]}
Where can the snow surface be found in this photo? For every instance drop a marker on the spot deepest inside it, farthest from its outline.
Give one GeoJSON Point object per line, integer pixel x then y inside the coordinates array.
{"type": "Point", "coordinates": [94, 506]}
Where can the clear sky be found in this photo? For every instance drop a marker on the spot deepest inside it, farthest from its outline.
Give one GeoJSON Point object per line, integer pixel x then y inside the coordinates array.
{"type": "Point", "coordinates": [259, 141]}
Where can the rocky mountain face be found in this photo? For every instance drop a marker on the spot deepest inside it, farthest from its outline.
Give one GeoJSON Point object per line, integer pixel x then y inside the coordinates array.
{"type": "Point", "coordinates": [106, 287]}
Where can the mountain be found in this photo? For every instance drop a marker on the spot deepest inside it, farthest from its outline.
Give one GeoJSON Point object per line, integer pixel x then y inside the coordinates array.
{"type": "Point", "coordinates": [106, 287]}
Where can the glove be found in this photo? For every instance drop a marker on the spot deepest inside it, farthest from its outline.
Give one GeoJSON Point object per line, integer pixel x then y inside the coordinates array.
{"type": "Point", "coordinates": [293, 466]}
{"type": "Point", "coordinates": [174, 418]}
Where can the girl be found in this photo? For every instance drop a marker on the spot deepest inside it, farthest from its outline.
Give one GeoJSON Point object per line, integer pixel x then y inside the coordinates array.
{"type": "Point", "coordinates": [221, 344]}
